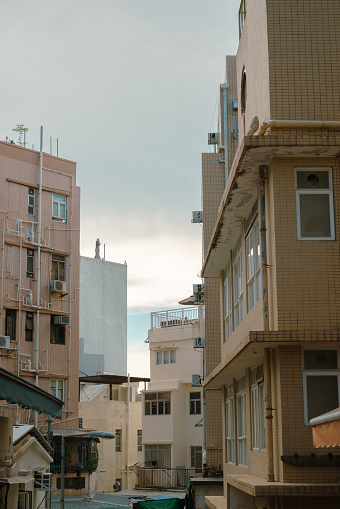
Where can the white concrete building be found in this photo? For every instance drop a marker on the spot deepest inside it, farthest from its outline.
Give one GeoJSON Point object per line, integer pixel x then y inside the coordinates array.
{"type": "Point", "coordinates": [102, 316]}
{"type": "Point", "coordinates": [172, 420]}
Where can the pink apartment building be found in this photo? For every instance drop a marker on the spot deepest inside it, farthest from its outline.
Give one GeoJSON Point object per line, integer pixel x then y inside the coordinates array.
{"type": "Point", "coordinates": [39, 301]}
{"type": "Point", "coordinates": [271, 218]}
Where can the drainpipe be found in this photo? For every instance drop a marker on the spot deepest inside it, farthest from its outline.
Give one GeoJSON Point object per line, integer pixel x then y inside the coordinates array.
{"type": "Point", "coordinates": [269, 416]}
{"type": "Point", "coordinates": [263, 229]}
{"type": "Point", "coordinates": [38, 269]}
{"type": "Point", "coordinates": [296, 124]}
{"type": "Point", "coordinates": [128, 433]}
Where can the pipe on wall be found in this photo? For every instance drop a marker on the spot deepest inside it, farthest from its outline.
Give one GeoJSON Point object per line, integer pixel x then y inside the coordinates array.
{"type": "Point", "coordinates": [263, 246]}
{"type": "Point", "coordinates": [296, 124]}
{"type": "Point", "coordinates": [269, 415]}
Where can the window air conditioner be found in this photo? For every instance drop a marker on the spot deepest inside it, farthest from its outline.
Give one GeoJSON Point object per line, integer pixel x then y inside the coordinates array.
{"type": "Point", "coordinates": [5, 342]}
{"type": "Point", "coordinates": [199, 342]}
{"type": "Point", "coordinates": [58, 286]}
{"type": "Point", "coordinates": [212, 138]}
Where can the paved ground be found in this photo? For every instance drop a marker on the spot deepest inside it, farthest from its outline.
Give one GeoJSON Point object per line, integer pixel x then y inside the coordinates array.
{"type": "Point", "coordinates": [112, 500]}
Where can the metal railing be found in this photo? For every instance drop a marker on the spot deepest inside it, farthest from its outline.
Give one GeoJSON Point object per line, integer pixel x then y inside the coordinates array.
{"type": "Point", "coordinates": [174, 317]}
{"type": "Point", "coordinates": [164, 477]}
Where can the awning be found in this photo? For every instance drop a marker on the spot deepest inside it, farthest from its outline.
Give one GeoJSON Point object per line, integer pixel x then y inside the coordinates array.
{"type": "Point", "coordinates": [326, 429]}
{"type": "Point", "coordinates": [17, 479]}
{"type": "Point", "coordinates": [15, 389]}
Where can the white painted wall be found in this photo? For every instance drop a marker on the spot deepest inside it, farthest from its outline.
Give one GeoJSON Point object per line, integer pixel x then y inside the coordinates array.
{"type": "Point", "coordinates": [103, 313]}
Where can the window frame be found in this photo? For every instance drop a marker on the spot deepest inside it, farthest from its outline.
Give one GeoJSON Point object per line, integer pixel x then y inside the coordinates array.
{"type": "Point", "coordinates": [238, 285]}
{"type": "Point", "coordinates": [57, 333]}
{"type": "Point", "coordinates": [59, 386]}
{"type": "Point", "coordinates": [227, 302]}
{"type": "Point", "coordinates": [118, 440]}
{"type": "Point", "coordinates": [152, 455]}
{"type": "Point", "coordinates": [253, 264]}
{"type": "Point", "coordinates": [258, 436]}
{"type": "Point", "coordinates": [162, 354]}
{"type": "Point", "coordinates": [325, 191]}
{"type": "Point", "coordinates": [59, 202]}
{"type": "Point", "coordinates": [11, 313]}
{"type": "Point", "coordinates": [139, 440]}
{"type": "Point", "coordinates": [29, 327]}
{"type": "Point", "coordinates": [30, 257]}
{"type": "Point", "coordinates": [59, 260]}
{"type": "Point", "coordinates": [195, 403]}
{"type": "Point", "coordinates": [331, 372]}
{"type": "Point", "coordinates": [230, 426]}
{"type": "Point", "coordinates": [33, 204]}
{"type": "Point", "coordinates": [241, 424]}
{"type": "Point", "coordinates": [194, 451]}
{"type": "Point", "coordinates": [157, 405]}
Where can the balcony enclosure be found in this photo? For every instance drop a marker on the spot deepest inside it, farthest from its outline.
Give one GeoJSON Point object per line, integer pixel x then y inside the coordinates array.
{"type": "Point", "coordinates": [174, 317]}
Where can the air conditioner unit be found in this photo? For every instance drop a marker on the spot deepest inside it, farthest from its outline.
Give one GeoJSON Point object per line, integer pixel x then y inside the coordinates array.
{"type": "Point", "coordinates": [42, 481]}
{"type": "Point", "coordinates": [212, 138]}
{"type": "Point", "coordinates": [58, 286]}
{"type": "Point", "coordinates": [196, 381]}
{"type": "Point", "coordinates": [5, 342]}
{"type": "Point", "coordinates": [197, 216]}
{"type": "Point", "coordinates": [61, 320]}
{"type": "Point", "coordinates": [199, 342]}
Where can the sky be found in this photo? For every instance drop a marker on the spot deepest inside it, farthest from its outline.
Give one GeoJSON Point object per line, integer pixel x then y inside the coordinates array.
{"type": "Point", "coordinates": [129, 88]}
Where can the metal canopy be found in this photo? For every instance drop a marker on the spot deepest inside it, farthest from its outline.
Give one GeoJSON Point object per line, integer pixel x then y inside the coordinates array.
{"type": "Point", "coordinates": [15, 389]}
{"type": "Point", "coordinates": [111, 379]}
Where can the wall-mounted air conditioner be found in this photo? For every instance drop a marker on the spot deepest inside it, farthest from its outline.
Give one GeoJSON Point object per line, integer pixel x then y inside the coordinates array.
{"type": "Point", "coordinates": [199, 342]}
{"type": "Point", "coordinates": [212, 138]}
{"type": "Point", "coordinates": [42, 481]}
{"type": "Point", "coordinates": [61, 320]}
{"type": "Point", "coordinates": [196, 381]}
{"type": "Point", "coordinates": [58, 286]}
{"type": "Point", "coordinates": [5, 342]}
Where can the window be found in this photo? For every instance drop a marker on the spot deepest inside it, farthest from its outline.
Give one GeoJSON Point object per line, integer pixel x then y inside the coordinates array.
{"type": "Point", "coordinates": [57, 388]}
{"type": "Point", "coordinates": [25, 500]}
{"type": "Point", "coordinates": [57, 336]}
{"type": "Point", "coordinates": [257, 408]}
{"type": "Point", "coordinates": [59, 207]}
{"type": "Point", "coordinates": [58, 268]}
{"type": "Point", "coordinates": [157, 403]}
{"type": "Point", "coordinates": [242, 16]}
{"type": "Point", "coordinates": [195, 403]}
{"type": "Point", "coordinates": [139, 439]}
{"type": "Point", "coordinates": [31, 201]}
{"type": "Point", "coordinates": [253, 265]}
{"type": "Point", "coordinates": [158, 456]}
{"type": "Point", "coordinates": [196, 457]}
{"type": "Point", "coordinates": [228, 324]}
{"type": "Point", "coordinates": [30, 263]}
{"type": "Point", "coordinates": [230, 433]}
{"type": "Point", "coordinates": [314, 204]}
{"type": "Point", "coordinates": [118, 440]}
{"type": "Point", "coordinates": [237, 285]}
{"type": "Point", "coordinates": [321, 379]}
{"type": "Point", "coordinates": [10, 326]}
{"type": "Point", "coordinates": [243, 91]}
{"type": "Point", "coordinates": [166, 357]}
{"type": "Point", "coordinates": [241, 422]}
{"type": "Point", "coordinates": [29, 327]}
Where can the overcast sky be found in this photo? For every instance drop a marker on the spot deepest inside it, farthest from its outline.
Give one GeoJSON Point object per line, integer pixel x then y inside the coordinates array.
{"type": "Point", "coordinates": [129, 89]}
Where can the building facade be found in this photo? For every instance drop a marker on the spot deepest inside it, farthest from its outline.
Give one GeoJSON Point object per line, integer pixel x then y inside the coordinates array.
{"type": "Point", "coordinates": [172, 405]}
{"type": "Point", "coordinates": [103, 316]}
{"type": "Point", "coordinates": [271, 216]}
{"type": "Point", "coordinates": [115, 411]}
{"type": "Point", "coordinates": [39, 308]}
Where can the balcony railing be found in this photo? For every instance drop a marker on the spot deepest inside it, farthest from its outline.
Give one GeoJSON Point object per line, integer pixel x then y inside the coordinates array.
{"type": "Point", "coordinates": [174, 317]}
{"type": "Point", "coordinates": [164, 477]}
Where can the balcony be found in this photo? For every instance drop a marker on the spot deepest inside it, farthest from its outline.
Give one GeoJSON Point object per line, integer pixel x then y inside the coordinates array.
{"type": "Point", "coordinates": [164, 477]}
{"type": "Point", "coordinates": [174, 317]}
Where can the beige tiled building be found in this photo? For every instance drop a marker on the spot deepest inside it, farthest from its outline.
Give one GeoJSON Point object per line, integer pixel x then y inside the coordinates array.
{"type": "Point", "coordinates": [271, 215]}
{"type": "Point", "coordinates": [39, 308]}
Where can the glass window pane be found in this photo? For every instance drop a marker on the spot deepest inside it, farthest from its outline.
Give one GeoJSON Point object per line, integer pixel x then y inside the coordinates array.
{"type": "Point", "coordinates": [322, 394]}
{"type": "Point", "coordinates": [166, 357]}
{"type": "Point", "coordinates": [159, 357]}
{"type": "Point", "coordinates": [55, 209]}
{"type": "Point", "coordinates": [172, 356]}
{"type": "Point", "coordinates": [320, 359]}
{"type": "Point", "coordinates": [315, 215]}
{"type": "Point", "coordinates": [63, 210]}
{"type": "Point", "coordinates": [312, 179]}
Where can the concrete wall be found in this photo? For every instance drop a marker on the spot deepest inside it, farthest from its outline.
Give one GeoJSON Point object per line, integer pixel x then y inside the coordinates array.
{"type": "Point", "coordinates": [103, 315]}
